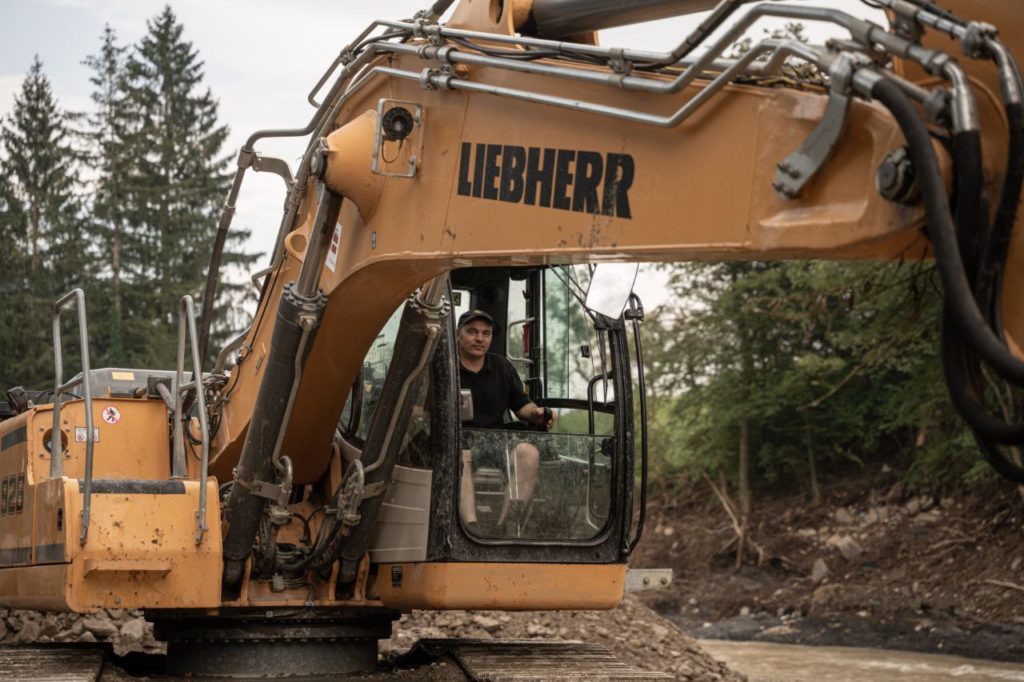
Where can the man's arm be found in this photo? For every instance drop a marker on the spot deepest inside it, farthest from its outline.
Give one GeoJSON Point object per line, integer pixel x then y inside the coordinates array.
{"type": "Point", "coordinates": [534, 414]}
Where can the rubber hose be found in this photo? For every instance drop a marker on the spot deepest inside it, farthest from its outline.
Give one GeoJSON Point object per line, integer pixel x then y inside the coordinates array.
{"type": "Point", "coordinates": [1006, 214]}
{"type": "Point", "coordinates": [998, 461]}
{"type": "Point", "coordinates": [963, 393]}
{"type": "Point", "coordinates": [959, 296]}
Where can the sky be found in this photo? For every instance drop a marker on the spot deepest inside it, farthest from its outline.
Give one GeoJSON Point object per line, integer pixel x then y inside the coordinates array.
{"type": "Point", "coordinates": [261, 59]}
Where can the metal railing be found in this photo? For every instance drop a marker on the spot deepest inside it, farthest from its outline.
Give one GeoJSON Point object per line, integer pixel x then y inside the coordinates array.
{"type": "Point", "coordinates": [76, 296]}
{"type": "Point", "coordinates": [187, 322]}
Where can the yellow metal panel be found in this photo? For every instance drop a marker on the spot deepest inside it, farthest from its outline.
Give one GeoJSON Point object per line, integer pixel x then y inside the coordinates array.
{"type": "Point", "coordinates": [510, 587]}
{"type": "Point", "coordinates": [141, 552]}
{"type": "Point", "coordinates": [42, 588]}
{"type": "Point", "coordinates": [133, 441]}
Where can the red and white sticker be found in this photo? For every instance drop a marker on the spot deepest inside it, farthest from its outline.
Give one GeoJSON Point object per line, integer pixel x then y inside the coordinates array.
{"type": "Point", "coordinates": [332, 253]}
{"type": "Point", "coordinates": [111, 414]}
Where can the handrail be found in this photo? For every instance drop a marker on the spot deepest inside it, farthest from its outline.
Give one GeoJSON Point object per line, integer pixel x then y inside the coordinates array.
{"type": "Point", "coordinates": [59, 388]}
{"type": "Point", "coordinates": [187, 320]}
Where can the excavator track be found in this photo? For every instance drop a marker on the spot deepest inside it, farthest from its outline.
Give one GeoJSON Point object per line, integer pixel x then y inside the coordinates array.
{"type": "Point", "coordinates": [60, 663]}
{"type": "Point", "coordinates": [528, 659]}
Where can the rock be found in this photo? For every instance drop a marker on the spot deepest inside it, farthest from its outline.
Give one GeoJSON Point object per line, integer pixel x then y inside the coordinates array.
{"type": "Point", "coordinates": [100, 626]}
{"type": "Point", "coordinates": [819, 571]}
{"type": "Point", "coordinates": [872, 516]}
{"type": "Point", "coordinates": [895, 493]}
{"type": "Point", "coordinates": [825, 599]}
{"type": "Point", "coordinates": [3, 628]}
{"type": "Point", "coordinates": [489, 624]}
{"type": "Point", "coordinates": [1016, 564]}
{"type": "Point", "coordinates": [87, 637]}
{"type": "Point", "coordinates": [745, 611]}
{"type": "Point", "coordinates": [134, 632]}
{"type": "Point", "coordinates": [847, 546]}
{"type": "Point", "coordinates": [658, 632]}
{"type": "Point", "coordinates": [843, 516]}
{"type": "Point", "coordinates": [29, 632]}
{"type": "Point", "coordinates": [777, 631]}
{"type": "Point", "coordinates": [49, 627]}
{"type": "Point", "coordinates": [927, 502]}
{"type": "Point", "coordinates": [807, 533]}
{"type": "Point", "coordinates": [913, 505]}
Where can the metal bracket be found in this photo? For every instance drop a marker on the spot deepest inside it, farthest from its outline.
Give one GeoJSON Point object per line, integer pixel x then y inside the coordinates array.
{"type": "Point", "coordinates": [374, 489]}
{"type": "Point", "coordinates": [270, 164]}
{"type": "Point", "coordinates": [797, 169]}
{"type": "Point", "coordinates": [645, 579]}
{"type": "Point", "coordinates": [406, 150]}
{"type": "Point", "coordinates": [352, 495]}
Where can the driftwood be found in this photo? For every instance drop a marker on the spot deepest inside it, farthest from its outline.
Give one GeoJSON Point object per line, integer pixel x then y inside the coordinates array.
{"type": "Point", "coordinates": [742, 534]}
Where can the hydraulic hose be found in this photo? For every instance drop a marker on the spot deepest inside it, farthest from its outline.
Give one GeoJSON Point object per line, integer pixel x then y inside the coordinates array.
{"type": "Point", "coordinates": [960, 367]}
{"type": "Point", "coordinates": [961, 307]}
{"type": "Point", "coordinates": [963, 391]}
{"type": "Point", "coordinates": [959, 296]}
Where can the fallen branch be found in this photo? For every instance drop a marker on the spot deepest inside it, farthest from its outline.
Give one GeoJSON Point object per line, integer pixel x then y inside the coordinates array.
{"type": "Point", "coordinates": [1005, 583]}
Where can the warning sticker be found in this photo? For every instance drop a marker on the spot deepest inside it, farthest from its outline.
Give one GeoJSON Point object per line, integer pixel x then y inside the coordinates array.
{"type": "Point", "coordinates": [111, 414]}
{"type": "Point", "coordinates": [332, 254]}
{"type": "Point", "coordinates": [80, 434]}
{"type": "Point", "coordinates": [122, 376]}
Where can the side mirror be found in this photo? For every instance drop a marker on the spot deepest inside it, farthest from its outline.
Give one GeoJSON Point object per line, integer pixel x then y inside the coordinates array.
{"type": "Point", "coordinates": [610, 287]}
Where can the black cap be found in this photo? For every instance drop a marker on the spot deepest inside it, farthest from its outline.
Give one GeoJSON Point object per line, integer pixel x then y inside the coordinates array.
{"type": "Point", "coordinates": [470, 315]}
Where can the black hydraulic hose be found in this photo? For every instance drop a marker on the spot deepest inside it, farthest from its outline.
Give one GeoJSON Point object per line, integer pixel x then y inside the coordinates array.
{"type": "Point", "coordinates": [963, 391]}
{"type": "Point", "coordinates": [999, 462]}
{"type": "Point", "coordinates": [960, 368]}
{"type": "Point", "coordinates": [1006, 214]}
{"type": "Point", "coordinates": [959, 295]}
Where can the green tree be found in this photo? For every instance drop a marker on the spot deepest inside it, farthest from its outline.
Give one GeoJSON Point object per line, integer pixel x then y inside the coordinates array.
{"type": "Point", "coordinates": [109, 128]}
{"type": "Point", "coordinates": [174, 183]}
{"type": "Point", "coordinates": [45, 232]}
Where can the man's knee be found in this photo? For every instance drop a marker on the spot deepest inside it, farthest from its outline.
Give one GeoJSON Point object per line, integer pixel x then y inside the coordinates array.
{"type": "Point", "coordinates": [528, 458]}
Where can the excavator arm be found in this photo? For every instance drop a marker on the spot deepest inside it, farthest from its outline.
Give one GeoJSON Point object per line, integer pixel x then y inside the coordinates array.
{"type": "Point", "coordinates": [469, 144]}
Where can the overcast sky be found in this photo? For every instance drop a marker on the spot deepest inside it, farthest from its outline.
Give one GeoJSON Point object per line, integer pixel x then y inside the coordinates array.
{"type": "Point", "coordinates": [261, 58]}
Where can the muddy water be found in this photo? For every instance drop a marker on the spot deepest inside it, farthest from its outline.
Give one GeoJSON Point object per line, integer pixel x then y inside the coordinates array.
{"type": "Point", "coordinates": [765, 662]}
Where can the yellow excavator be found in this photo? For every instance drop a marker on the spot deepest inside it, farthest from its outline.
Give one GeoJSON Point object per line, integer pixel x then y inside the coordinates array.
{"type": "Point", "coordinates": [274, 514]}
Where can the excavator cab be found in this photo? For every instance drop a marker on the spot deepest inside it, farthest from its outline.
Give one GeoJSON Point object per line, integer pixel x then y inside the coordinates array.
{"type": "Point", "coordinates": [446, 530]}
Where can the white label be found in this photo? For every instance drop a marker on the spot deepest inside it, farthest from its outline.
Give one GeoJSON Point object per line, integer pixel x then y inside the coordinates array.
{"type": "Point", "coordinates": [80, 434]}
{"type": "Point", "coordinates": [332, 254]}
{"type": "Point", "coordinates": [111, 414]}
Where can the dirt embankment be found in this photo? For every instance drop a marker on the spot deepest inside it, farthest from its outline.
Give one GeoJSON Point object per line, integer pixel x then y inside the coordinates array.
{"type": "Point", "coordinates": [876, 563]}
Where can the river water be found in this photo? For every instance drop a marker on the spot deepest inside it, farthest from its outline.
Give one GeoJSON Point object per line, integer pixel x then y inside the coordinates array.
{"type": "Point", "coordinates": [765, 662]}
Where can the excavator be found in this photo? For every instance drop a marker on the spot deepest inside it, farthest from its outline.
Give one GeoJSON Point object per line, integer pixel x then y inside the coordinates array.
{"type": "Point", "coordinates": [275, 513]}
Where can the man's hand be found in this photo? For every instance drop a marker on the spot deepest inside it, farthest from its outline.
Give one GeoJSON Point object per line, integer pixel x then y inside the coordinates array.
{"type": "Point", "coordinates": [535, 414]}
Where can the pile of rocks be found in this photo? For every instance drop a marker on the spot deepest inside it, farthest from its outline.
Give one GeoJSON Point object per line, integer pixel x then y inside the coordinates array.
{"type": "Point", "coordinates": [632, 631]}
{"type": "Point", "coordinates": [125, 629]}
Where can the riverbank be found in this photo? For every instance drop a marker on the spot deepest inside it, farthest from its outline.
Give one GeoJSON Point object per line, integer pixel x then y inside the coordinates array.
{"type": "Point", "coordinates": [876, 563]}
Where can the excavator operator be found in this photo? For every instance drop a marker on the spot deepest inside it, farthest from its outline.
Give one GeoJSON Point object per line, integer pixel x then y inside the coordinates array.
{"type": "Point", "coordinates": [496, 388]}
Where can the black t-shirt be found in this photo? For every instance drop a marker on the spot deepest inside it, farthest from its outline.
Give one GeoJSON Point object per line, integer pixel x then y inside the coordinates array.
{"type": "Point", "coordinates": [495, 388]}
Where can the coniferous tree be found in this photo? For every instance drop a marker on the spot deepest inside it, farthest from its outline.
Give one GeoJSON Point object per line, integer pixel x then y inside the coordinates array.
{"type": "Point", "coordinates": [176, 181]}
{"type": "Point", "coordinates": [109, 127]}
{"type": "Point", "coordinates": [45, 234]}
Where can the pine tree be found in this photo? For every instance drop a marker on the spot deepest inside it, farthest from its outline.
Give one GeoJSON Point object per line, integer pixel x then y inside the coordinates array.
{"type": "Point", "coordinates": [175, 184]}
{"type": "Point", "coordinates": [45, 235]}
{"type": "Point", "coordinates": [108, 131]}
